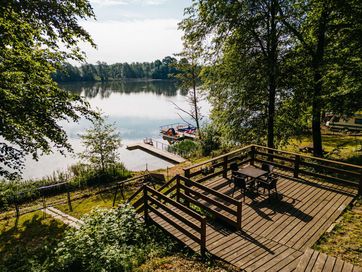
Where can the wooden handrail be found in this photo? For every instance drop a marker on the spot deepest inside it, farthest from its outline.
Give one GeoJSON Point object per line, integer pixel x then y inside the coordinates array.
{"type": "Point", "coordinates": [211, 191]}
{"type": "Point", "coordinates": [216, 158]}
{"type": "Point", "coordinates": [148, 192]}
{"type": "Point", "coordinates": [175, 204]}
{"type": "Point", "coordinates": [311, 157]}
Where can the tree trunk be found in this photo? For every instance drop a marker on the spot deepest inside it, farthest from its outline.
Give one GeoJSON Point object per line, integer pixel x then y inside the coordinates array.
{"type": "Point", "coordinates": [317, 64]}
{"type": "Point", "coordinates": [195, 103]}
{"type": "Point", "coordinates": [272, 60]}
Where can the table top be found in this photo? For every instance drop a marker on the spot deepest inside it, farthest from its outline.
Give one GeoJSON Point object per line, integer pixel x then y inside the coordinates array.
{"type": "Point", "coordinates": [252, 172]}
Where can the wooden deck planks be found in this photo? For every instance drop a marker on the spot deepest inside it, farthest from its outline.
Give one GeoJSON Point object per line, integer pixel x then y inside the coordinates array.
{"type": "Point", "coordinates": [275, 234]}
{"type": "Point", "coordinates": [316, 262]}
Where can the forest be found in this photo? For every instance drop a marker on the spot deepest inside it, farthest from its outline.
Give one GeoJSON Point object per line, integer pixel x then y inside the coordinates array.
{"type": "Point", "coordinates": [102, 71]}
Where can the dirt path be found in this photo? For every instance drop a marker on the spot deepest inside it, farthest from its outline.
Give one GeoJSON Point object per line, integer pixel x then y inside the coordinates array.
{"type": "Point", "coordinates": [65, 218]}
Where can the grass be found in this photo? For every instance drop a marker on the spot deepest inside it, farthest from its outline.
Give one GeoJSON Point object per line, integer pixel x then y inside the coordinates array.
{"type": "Point", "coordinates": [181, 263]}
{"type": "Point", "coordinates": [100, 200]}
{"type": "Point", "coordinates": [337, 146]}
{"type": "Point", "coordinates": [27, 239]}
{"type": "Point", "coordinates": [345, 240]}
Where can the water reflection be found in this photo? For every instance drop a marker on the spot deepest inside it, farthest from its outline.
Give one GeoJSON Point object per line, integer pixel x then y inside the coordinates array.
{"type": "Point", "coordinates": [136, 108]}
{"type": "Point", "coordinates": [105, 89]}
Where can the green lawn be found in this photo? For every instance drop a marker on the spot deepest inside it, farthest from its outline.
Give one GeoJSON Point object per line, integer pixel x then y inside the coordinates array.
{"type": "Point", "coordinates": [345, 241]}
{"type": "Point", "coordinates": [29, 238]}
{"type": "Point", "coordinates": [101, 200]}
{"type": "Point", "coordinates": [338, 147]}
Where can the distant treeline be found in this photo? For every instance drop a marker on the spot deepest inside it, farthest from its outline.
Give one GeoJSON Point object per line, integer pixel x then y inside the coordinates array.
{"type": "Point", "coordinates": [102, 71]}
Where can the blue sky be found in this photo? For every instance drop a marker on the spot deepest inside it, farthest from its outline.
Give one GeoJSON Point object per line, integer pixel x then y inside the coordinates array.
{"type": "Point", "coordinates": [134, 30]}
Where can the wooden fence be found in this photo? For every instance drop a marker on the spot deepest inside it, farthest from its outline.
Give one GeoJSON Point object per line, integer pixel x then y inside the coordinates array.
{"type": "Point", "coordinates": [294, 164]}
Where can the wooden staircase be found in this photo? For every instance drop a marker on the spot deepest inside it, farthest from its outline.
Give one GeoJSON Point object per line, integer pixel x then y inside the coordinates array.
{"type": "Point", "coordinates": [173, 208]}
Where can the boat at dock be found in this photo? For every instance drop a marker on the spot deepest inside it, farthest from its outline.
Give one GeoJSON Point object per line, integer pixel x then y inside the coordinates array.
{"type": "Point", "coordinates": [177, 132]}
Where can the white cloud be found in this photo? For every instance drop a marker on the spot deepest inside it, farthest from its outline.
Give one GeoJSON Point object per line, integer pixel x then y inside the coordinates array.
{"type": "Point", "coordinates": [128, 41]}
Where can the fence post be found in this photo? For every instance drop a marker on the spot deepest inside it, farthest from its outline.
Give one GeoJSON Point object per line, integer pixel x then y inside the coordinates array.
{"type": "Point", "coordinates": [187, 192]}
{"type": "Point", "coordinates": [203, 238]}
{"type": "Point", "coordinates": [225, 167]}
{"type": "Point", "coordinates": [44, 206]}
{"type": "Point", "coordinates": [239, 214]}
{"type": "Point", "coordinates": [69, 200]}
{"type": "Point", "coordinates": [252, 155]}
{"type": "Point", "coordinates": [17, 211]}
{"type": "Point", "coordinates": [296, 166]}
{"type": "Point", "coordinates": [360, 185]}
{"type": "Point", "coordinates": [115, 196]}
{"type": "Point", "coordinates": [187, 173]}
{"type": "Point", "coordinates": [178, 188]}
{"type": "Point", "coordinates": [145, 208]}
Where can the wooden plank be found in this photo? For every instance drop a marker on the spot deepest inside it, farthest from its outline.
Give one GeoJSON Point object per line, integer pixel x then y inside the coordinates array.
{"type": "Point", "coordinates": [174, 224]}
{"type": "Point", "coordinates": [347, 267]}
{"type": "Point", "coordinates": [319, 265]}
{"type": "Point", "coordinates": [157, 152]}
{"type": "Point", "coordinates": [211, 191]}
{"type": "Point", "coordinates": [176, 204]}
{"type": "Point", "coordinates": [191, 223]}
{"type": "Point", "coordinates": [208, 199]}
{"type": "Point", "coordinates": [338, 265]}
{"type": "Point", "coordinates": [312, 260]}
{"type": "Point", "coordinates": [203, 206]}
{"type": "Point", "coordinates": [305, 259]}
{"type": "Point", "coordinates": [329, 264]}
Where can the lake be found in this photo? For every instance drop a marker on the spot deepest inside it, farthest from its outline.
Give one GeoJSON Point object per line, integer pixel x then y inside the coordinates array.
{"type": "Point", "coordinates": [137, 109]}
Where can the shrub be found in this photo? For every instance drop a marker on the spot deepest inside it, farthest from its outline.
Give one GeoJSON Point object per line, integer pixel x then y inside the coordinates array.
{"type": "Point", "coordinates": [185, 148]}
{"type": "Point", "coordinates": [210, 140]}
{"type": "Point", "coordinates": [109, 240]}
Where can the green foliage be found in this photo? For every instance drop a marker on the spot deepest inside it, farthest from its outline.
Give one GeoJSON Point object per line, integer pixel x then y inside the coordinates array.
{"type": "Point", "coordinates": [77, 176]}
{"type": "Point", "coordinates": [101, 144]}
{"type": "Point", "coordinates": [26, 242]}
{"type": "Point", "coordinates": [102, 71]}
{"type": "Point", "coordinates": [211, 140]}
{"type": "Point", "coordinates": [186, 148]}
{"type": "Point", "coordinates": [32, 104]}
{"type": "Point", "coordinates": [110, 240]}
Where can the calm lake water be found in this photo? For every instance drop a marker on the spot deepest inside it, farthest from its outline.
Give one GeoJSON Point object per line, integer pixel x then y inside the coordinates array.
{"type": "Point", "coordinates": [137, 109]}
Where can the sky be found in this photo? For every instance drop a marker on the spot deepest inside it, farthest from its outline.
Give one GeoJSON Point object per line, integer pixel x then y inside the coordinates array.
{"type": "Point", "coordinates": [134, 30]}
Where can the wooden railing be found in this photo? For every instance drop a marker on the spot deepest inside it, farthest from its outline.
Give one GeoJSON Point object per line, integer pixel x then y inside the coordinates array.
{"type": "Point", "coordinates": [227, 209]}
{"type": "Point", "coordinates": [302, 166]}
{"type": "Point", "coordinates": [297, 165]}
{"type": "Point", "coordinates": [218, 166]}
{"type": "Point", "coordinates": [154, 201]}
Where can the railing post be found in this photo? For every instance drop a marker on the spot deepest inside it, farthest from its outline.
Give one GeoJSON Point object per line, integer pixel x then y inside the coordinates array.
{"type": "Point", "coordinates": [187, 193]}
{"type": "Point", "coordinates": [239, 214]}
{"type": "Point", "coordinates": [296, 166]}
{"type": "Point", "coordinates": [115, 197]}
{"type": "Point", "coordinates": [252, 155]}
{"type": "Point", "coordinates": [225, 167]}
{"type": "Point", "coordinates": [145, 208]}
{"type": "Point", "coordinates": [187, 173]}
{"type": "Point", "coordinates": [203, 238]}
{"type": "Point", "coordinates": [178, 188]}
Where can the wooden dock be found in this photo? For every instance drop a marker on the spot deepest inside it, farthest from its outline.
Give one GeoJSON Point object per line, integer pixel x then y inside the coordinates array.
{"type": "Point", "coordinates": [165, 155]}
{"type": "Point", "coordinates": [258, 233]}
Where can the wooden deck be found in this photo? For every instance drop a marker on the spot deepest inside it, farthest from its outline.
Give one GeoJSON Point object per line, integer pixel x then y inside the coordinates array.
{"type": "Point", "coordinates": [157, 152]}
{"type": "Point", "coordinates": [315, 261]}
{"type": "Point", "coordinates": [275, 232]}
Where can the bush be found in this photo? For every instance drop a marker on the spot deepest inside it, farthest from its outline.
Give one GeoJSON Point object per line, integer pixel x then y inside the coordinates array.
{"type": "Point", "coordinates": [110, 240]}
{"type": "Point", "coordinates": [186, 148]}
{"type": "Point", "coordinates": [78, 175]}
{"type": "Point", "coordinates": [211, 140]}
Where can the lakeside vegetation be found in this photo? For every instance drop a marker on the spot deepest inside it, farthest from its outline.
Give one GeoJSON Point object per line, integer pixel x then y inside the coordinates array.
{"type": "Point", "coordinates": [158, 70]}
{"type": "Point", "coordinates": [270, 69]}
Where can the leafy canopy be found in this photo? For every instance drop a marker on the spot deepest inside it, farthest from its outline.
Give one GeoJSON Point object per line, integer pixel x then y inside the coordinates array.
{"type": "Point", "coordinates": [35, 37]}
{"type": "Point", "coordinates": [101, 144]}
